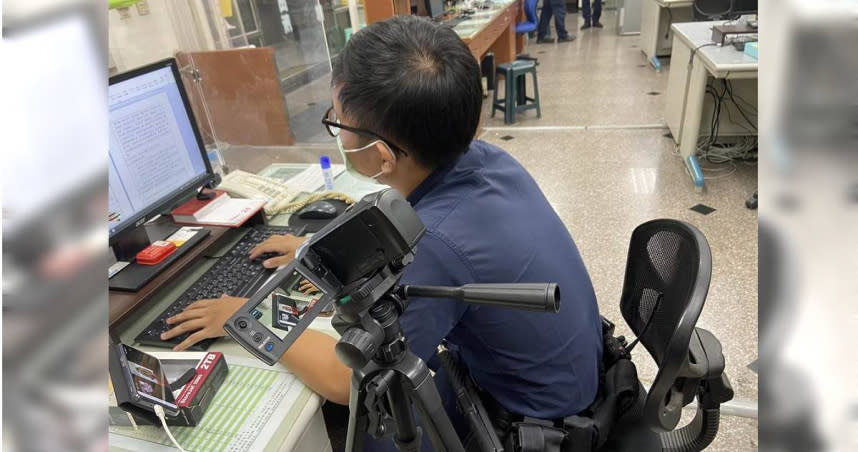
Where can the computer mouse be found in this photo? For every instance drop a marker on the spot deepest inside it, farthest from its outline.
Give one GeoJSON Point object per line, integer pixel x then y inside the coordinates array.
{"type": "Point", "coordinates": [319, 210]}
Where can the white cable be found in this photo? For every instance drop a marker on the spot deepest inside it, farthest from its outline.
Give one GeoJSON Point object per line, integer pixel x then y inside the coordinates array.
{"type": "Point", "coordinates": [723, 154]}
{"type": "Point", "coordinates": [159, 411]}
{"type": "Point", "coordinates": [744, 149]}
{"type": "Point", "coordinates": [718, 153]}
{"type": "Point", "coordinates": [722, 176]}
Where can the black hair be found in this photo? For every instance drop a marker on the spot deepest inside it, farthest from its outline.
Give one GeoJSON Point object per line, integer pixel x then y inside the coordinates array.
{"type": "Point", "coordinates": [414, 82]}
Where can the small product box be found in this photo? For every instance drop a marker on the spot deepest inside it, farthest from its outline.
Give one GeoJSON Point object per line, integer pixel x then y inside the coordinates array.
{"type": "Point", "coordinates": [197, 394]}
{"type": "Point", "coordinates": [202, 378]}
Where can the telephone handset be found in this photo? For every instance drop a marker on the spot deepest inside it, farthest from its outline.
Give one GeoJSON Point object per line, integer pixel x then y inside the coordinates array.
{"type": "Point", "coordinates": [242, 184]}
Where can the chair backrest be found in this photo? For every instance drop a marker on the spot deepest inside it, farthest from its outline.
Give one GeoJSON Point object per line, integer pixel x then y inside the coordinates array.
{"type": "Point", "coordinates": [530, 11]}
{"type": "Point", "coordinates": [711, 9]}
{"type": "Point", "coordinates": [667, 278]}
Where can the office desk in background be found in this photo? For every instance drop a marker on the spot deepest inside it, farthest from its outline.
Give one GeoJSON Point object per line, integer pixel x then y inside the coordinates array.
{"type": "Point", "coordinates": [656, 19]}
{"type": "Point", "coordinates": [489, 30]}
{"type": "Point", "coordinates": [686, 107]}
{"type": "Point", "coordinates": [493, 30]}
{"type": "Point", "coordinates": [303, 428]}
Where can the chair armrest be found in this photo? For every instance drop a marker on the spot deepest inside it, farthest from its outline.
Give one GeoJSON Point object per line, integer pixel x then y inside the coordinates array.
{"type": "Point", "coordinates": [706, 359]}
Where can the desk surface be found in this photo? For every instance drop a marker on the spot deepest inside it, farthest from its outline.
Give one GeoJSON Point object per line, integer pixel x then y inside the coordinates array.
{"type": "Point", "coordinates": [718, 59]}
{"type": "Point", "coordinates": [470, 28]}
{"type": "Point", "coordinates": [240, 417]}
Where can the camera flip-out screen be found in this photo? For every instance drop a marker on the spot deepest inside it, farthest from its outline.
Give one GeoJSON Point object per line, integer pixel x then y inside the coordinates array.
{"type": "Point", "coordinates": [379, 232]}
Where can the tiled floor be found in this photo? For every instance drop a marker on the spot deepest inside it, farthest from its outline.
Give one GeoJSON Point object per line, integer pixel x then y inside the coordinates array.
{"type": "Point", "coordinates": [606, 166]}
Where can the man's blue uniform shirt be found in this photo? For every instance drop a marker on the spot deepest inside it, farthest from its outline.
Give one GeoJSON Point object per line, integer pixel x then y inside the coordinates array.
{"type": "Point", "coordinates": [487, 221]}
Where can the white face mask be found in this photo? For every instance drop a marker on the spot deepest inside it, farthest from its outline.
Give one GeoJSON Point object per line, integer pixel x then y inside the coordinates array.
{"type": "Point", "coordinates": [350, 168]}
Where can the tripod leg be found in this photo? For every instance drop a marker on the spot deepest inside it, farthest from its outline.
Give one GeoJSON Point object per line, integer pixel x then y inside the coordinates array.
{"type": "Point", "coordinates": [408, 437]}
{"type": "Point", "coordinates": [357, 419]}
{"type": "Point", "coordinates": [428, 402]}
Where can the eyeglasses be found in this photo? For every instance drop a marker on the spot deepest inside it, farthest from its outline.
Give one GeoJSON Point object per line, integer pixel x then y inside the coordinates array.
{"type": "Point", "coordinates": [333, 126]}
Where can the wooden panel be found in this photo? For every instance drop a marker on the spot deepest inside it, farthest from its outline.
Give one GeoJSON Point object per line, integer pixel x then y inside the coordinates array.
{"type": "Point", "coordinates": [499, 36]}
{"type": "Point", "coordinates": [479, 46]}
{"type": "Point", "coordinates": [497, 26]}
{"type": "Point", "coordinates": [504, 45]}
{"type": "Point", "coordinates": [377, 10]}
{"type": "Point", "coordinates": [241, 89]}
{"type": "Point", "coordinates": [403, 7]}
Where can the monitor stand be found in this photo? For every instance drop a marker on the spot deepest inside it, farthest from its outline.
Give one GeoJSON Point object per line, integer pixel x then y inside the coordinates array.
{"type": "Point", "coordinates": [129, 243]}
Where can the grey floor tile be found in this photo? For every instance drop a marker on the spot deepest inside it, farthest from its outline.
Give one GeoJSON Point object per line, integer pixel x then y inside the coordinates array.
{"type": "Point", "coordinates": [735, 435]}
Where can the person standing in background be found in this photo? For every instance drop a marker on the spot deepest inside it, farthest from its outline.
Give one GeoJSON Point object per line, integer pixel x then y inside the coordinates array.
{"type": "Point", "coordinates": [558, 9]}
{"type": "Point", "coordinates": [597, 13]}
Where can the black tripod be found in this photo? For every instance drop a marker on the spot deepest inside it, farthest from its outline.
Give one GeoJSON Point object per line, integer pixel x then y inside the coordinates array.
{"type": "Point", "coordinates": [384, 388]}
{"type": "Point", "coordinates": [388, 378]}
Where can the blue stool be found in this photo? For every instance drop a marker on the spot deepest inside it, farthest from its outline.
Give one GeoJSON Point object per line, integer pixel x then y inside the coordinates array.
{"type": "Point", "coordinates": [515, 99]}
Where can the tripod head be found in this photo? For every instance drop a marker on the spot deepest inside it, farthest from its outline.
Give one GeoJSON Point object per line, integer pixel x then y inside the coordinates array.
{"type": "Point", "coordinates": [361, 337]}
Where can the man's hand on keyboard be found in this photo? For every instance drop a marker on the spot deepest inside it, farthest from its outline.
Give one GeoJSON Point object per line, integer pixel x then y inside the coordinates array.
{"type": "Point", "coordinates": [202, 319]}
{"type": "Point", "coordinates": [307, 287]}
{"type": "Point", "coordinates": [284, 245]}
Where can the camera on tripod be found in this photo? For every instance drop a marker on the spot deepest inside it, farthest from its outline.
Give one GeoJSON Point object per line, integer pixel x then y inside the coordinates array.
{"type": "Point", "coordinates": [357, 261]}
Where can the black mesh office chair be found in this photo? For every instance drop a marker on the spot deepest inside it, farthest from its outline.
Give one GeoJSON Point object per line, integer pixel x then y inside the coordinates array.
{"type": "Point", "coordinates": [711, 9]}
{"type": "Point", "coordinates": [667, 278]}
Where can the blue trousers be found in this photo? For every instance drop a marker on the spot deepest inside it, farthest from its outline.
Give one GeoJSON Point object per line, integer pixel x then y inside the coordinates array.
{"type": "Point", "coordinates": [585, 11]}
{"type": "Point", "coordinates": [558, 9]}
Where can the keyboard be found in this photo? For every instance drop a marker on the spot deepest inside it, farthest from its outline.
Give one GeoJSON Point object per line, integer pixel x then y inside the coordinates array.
{"type": "Point", "coordinates": [234, 274]}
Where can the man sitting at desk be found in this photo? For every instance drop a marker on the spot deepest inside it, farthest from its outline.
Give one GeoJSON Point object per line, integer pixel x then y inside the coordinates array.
{"type": "Point", "coordinates": [407, 102]}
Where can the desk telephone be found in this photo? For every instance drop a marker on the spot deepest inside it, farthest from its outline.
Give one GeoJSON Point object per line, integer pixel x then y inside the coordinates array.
{"type": "Point", "coordinates": [246, 185]}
